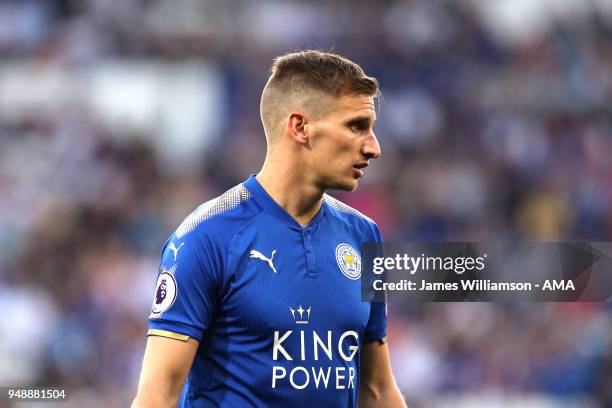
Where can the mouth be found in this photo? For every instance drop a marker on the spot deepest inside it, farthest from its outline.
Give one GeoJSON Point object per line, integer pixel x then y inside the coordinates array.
{"type": "Point", "coordinates": [357, 169]}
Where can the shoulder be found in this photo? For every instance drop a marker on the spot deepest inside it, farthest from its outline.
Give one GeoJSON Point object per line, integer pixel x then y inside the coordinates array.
{"type": "Point", "coordinates": [220, 216]}
{"type": "Point", "coordinates": [346, 211]}
{"type": "Point", "coordinates": [347, 214]}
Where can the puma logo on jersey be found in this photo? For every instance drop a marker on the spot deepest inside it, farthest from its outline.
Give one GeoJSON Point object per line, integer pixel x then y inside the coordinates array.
{"type": "Point", "coordinates": [174, 249]}
{"type": "Point", "coordinates": [258, 255]}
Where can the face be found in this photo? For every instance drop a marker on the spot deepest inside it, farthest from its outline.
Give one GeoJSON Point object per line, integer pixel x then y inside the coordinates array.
{"type": "Point", "coordinates": [342, 142]}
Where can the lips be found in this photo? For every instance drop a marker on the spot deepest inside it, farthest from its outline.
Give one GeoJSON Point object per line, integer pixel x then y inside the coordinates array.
{"type": "Point", "coordinates": [357, 172]}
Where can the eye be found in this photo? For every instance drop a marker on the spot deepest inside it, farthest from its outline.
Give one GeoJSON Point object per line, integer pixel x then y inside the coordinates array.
{"type": "Point", "coordinates": [358, 126]}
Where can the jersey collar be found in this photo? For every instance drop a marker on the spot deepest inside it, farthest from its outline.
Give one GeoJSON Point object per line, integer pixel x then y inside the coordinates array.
{"type": "Point", "coordinates": [267, 203]}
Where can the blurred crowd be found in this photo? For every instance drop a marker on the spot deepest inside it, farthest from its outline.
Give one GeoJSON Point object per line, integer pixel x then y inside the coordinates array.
{"type": "Point", "coordinates": [118, 117]}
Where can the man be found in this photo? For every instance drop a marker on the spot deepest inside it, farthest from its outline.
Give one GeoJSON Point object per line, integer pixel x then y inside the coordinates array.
{"type": "Point", "coordinates": [261, 302]}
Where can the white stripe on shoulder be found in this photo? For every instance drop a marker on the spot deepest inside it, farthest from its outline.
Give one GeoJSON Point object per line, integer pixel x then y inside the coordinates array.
{"type": "Point", "coordinates": [224, 203]}
{"type": "Point", "coordinates": [343, 208]}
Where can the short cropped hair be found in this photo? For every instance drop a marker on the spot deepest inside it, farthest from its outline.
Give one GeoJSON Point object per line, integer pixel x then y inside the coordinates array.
{"type": "Point", "coordinates": [300, 75]}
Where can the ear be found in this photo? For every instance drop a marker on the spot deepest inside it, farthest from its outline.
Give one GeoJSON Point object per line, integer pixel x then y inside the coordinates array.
{"type": "Point", "coordinates": [296, 125]}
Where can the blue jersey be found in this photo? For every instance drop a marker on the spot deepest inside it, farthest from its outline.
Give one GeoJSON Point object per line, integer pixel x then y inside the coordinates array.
{"type": "Point", "coordinates": [276, 307]}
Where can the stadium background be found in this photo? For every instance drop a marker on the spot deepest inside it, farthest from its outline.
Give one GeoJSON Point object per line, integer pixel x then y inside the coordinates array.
{"type": "Point", "coordinates": [117, 117]}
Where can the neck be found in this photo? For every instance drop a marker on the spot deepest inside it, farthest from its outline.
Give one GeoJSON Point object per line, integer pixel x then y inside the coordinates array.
{"type": "Point", "coordinates": [291, 188]}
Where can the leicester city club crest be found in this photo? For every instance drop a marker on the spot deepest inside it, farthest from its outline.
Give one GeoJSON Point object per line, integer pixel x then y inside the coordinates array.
{"type": "Point", "coordinates": [349, 261]}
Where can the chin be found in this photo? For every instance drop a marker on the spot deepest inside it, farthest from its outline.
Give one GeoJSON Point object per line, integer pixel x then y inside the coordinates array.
{"type": "Point", "coordinates": [348, 185]}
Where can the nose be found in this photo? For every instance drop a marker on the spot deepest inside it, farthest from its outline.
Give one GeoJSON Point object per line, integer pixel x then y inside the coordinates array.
{"type": "Point", "coordinates": [371, 148]}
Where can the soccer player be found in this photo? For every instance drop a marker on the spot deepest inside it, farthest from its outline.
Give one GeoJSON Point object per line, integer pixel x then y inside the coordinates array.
{"type": "Point", "coordinates": [258, 299]}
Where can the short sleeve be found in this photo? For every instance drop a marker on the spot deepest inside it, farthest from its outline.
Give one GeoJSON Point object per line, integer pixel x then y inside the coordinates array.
{"type": "Point", "coordinates": [186, 289]}
{"type": "Point", "coordinates": [377, 323]}
{"type": "Point", "coordinates": [376, 328]}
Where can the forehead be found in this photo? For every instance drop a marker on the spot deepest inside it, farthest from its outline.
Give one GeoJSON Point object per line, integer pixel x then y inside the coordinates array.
{"type": "Point", "coordinates": [353, 105]}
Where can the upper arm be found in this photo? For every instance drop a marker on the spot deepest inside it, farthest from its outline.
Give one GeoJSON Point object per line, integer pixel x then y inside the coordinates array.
{"type": "Point", "coordinates": [376, 381]}
{"type": "Point", "coordinates": [184, 301]}
{"type": "Point", "coordinates": [187, 287]}
{"type": "Point", "coordinates": [165, 367]}
{"type": "Point", "coordinates": [375, 365]}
